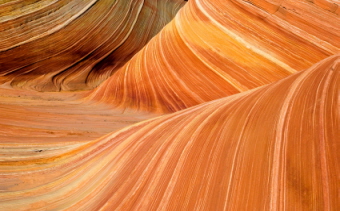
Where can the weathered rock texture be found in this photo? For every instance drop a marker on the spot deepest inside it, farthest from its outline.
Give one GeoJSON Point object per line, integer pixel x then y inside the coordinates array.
{"type": "Point", "coordinates": [40, 118]}
{"type": "Point", "coordinates": [272, 148]}
{"type": "Point", "coordinates": [74, 44]}
{"type": "Point", "coordinates": [252, 88]}
{"type": "Point", "coordinates": [214, 49]}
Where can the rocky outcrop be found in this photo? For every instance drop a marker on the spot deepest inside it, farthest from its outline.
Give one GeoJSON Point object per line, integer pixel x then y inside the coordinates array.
{"type": "Point", "coordinates": [214, 49]}
{"type": "Point", "coordinates": [251, 89]}
{"type": "Point", "coordinates": [73, 44]}
{"type": "Point", "coordinates": [275, 146]}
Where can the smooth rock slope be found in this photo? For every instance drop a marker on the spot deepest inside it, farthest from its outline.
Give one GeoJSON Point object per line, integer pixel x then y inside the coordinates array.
{"type": "Point", "coordinates": [272, 148]}
{"type": "Point", "coordinates": [216, 48]}
{"type": "Point", "coordinates": [208, 105]}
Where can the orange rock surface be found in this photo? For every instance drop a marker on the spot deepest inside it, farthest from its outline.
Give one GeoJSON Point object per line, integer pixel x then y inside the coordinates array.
{"type": "Point", "coordinates": [42, 118]}
{"type": "Point", "coordinates": [233, 105]}
{"type": "Point", "coordinates": [272, 148]}
{"type": "Point", "coordinates": [74, 44]}
{"type": "Point", "coordinates": [214, 49]}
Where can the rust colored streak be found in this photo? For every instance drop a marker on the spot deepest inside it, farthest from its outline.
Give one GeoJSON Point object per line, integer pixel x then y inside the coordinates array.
{"type": "Point", "coordinates": [217, 48]}
{"type": "Point", "coordinates": [207, 105]}
{"type": "Point", "coordinates": [75, 45]}
{"type": "Point", "coordinates": [276, 147]}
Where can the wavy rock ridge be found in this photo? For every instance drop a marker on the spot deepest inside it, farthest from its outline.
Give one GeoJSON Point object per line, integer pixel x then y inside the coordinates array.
{"type": "Point", "coordinates": [254, 87]}
{"type": "Point", "coordinates": [276, 146]}
{"type": "Point", "coordinates": [214, 49]}
{"type": "Point", "coordinates": [73, 44]}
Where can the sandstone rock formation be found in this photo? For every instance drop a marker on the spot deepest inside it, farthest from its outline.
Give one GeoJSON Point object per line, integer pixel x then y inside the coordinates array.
{"type": "Point", "coordinates": [233, 105]}
{"type": "Point", "coordinates": [272, 148]}
{"type": "Point", "coordinates": [72, 44]}
{"type": "Point", "coordinates": [214, 49]}
{"type": "Point", "coordinates": [34, 118]}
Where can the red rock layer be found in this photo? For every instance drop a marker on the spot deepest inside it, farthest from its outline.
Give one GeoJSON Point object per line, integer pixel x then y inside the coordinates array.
{"type": "Point", "coordinates": [28, 117]}
{"type": "Point", "coordinates": [217, 48]}
{"type": "Point", "coordinates": [73, 44]}
{"type": "Point", "coordinates": [272, 148]}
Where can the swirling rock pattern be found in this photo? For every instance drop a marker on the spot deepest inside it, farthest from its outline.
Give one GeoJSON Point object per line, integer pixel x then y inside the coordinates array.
{"type": "Point", "coordinates": [254, 87]}
{"type": "Point", "coordinates": [74, 44]}
{"type": "Point", "coordinates": [216, 48]}
{"type": "Point", "coordinates": [272, 148]}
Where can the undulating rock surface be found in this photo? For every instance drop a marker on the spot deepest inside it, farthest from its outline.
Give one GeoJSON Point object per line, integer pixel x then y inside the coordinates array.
{"type": "Point", "coordinates": [55, 45]}
{"type": "Point", "coordinates": [200, 105]}
{"type": "Point", "coordinates": [272, 148]}
{"type": "Point", "coordinates": [217, 48]}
